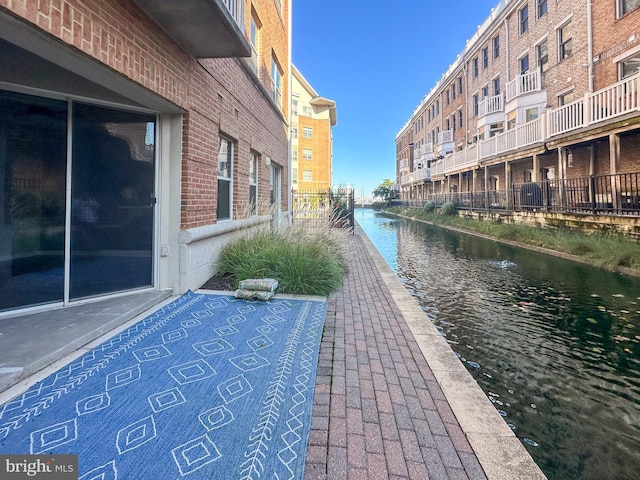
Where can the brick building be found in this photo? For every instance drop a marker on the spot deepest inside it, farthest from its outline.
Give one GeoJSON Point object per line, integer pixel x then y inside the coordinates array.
{"type": "Point", "coordinates": [544, 97]}
{"type": "Point", "coordinates": [312, 118]}
{"type": "Point", "coordinates": [136, 139]}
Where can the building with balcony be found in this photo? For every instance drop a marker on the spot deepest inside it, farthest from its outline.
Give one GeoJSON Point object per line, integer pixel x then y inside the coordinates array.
{"type": "Point", "coordinates": [543, 98]}
{"type": "Point", "coordinates": [137, 138]}
{"type": "Point", "coordinates": [312, 120]}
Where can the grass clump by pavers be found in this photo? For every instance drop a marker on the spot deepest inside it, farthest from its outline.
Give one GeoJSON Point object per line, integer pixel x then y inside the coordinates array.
{"type": "Point", "coordinates": [303, 263]}
{"type": "Point", "coordinates": [607, 251]}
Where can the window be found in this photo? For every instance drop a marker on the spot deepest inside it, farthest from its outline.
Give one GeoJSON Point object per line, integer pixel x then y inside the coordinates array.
{"type": "Point", "coordinates": [565, 98]}
{"type": "Point", "coordinates": [629, 66]}
{"type": "Point", "coordinates": [276, 79]}
{"type": "Point", "coordinates": [294, 106]}
{"type": "Point", "coordinates": [496, 86]}
{"type": "Point", "coordinates": [446, 94]}
{"type": "Point", "coordinates": [565, 43]}
{"type": "Point", "coordinates": [225, 190]}
{"type": "Point", "coordinates": [275, 177]}
{"type": "Point", "coordinates": [294, 175]}
{"type": "Point", "coordinates": [542, 7]}
{"type": "Point", "coordinates": [294, 130]}
{"type": "Point", "coordinates": [460, 118]}
{"type": "Point", "coordinates": [307, 154]}
{"type": "Point", "coordinates": [307, 111]}
{"type": "Point", "coordinates": [511, 120]}
{"type": "Point", "coordinates": [542, 52]}
{"type": "Point", "coordinates": [460, 85]}
{"type": "Point", "coordinates": [626, 6]}
{"type": "Point", "coordinates": [485, 58]}
{"type": "Point", "coordinates": [447, 124]}
{"type": "Point", "coordinates": [485, 91]}
{"type": "Point", "coordinates": [531, 114]}
{"type": "Point", "coordinates": [496, 46]}
{"type": "Point", "coordinates": [523, 19]}
{"type": "Point", "coordinates": [474, 101]}
{"type": "Point", "coordinates": [524, 64]}
{"type": "Point", "coordinates": [307, 132]}
{"type": "Point", "coordinates": [307, 176]}
{"type": "Point", "coordinates": [294, 154]}
{"type": "Point", "coordinates": [453, 92]}
{"type": "Point", "coordinates": [255, 45]}
{"type": "Point", "coordinates": [253, 184]}
{"type": "Point", "coordinates": [475, 67]}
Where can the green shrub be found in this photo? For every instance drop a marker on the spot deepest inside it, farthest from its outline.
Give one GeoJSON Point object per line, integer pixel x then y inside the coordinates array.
{"type": "Point", "coordinates": [308, 264]}
{"type": "Point", "coordinates": [448, 208]}
{"type": "Point", "coordinates": [430, 206]}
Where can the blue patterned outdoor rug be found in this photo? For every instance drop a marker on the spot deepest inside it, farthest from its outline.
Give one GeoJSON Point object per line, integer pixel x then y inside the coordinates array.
{"type": "Point", "coordinates": [207, 387]}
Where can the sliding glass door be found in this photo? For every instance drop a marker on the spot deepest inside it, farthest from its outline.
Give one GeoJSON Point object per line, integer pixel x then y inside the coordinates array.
{"type": "Point", "coordinates": [76, 200]}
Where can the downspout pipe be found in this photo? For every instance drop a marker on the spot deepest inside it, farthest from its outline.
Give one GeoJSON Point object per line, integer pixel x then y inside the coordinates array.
{"type": "Point", "coordinates": [590, 42]}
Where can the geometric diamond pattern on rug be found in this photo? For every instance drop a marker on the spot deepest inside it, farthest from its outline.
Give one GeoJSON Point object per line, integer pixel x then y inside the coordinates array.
{"type": "Point", "coordinates": [93, 403]}
{"type": "Point", "coordinates": [234, 388]}
{"type": "Point", "coordinates": [155, 352]}
{"type": "Point", "coordinates": [136, 434]}
{"type": "Point", "coordinates": [53, 436]}
{"type": "Point", "coordinates": [213, 346]}
{"type": "Point", "coordinates": [195, 454]}
{"type": "Point", "coordinates": [123, 377]}
{"type": "Point", "coordinates": [216, 417]}
{"type": "Point", "coordinates": [167, 399]}
{"type": "Point", "coordinates": [193, 371]}
{"type": "Point", "coordinates": [206, 386]}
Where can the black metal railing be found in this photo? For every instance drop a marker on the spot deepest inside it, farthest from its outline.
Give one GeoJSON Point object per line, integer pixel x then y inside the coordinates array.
{"type": "Point", "coordinates": [596, 194]}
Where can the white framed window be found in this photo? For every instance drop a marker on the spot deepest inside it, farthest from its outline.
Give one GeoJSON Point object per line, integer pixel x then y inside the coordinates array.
{"type": "Point", "coordinates": [307, 176]}
{"type": "Point", "coordinates": [307, 132]}
{"type": "Point", "coordinates": [565, 41]}
{"type": "Point", "coordinates": [541, 8]}
{"type": "Point", "coordinates": [485, 91]}
{"type": "Point", "coordinates": [276, 83]}
{"type": "Point", "coordinates": [307, 154]}
{"type": "Point", "coordinates": [254, 40]}
{"type": "Point", "coordinates": [531, 114]}
{"type": "Point", "coordinates": [626, 6]}
{"type": "Point", "coordinates": [511, 120]}
{"type": "Point", "coordinates": [629, 66]}
{"type": "Point", "coordinates": [294, 106]}
{"type": "Point", "coordinates": [496, 86]}
{"type": "Point", "coordinates": [275, 179]}
{"type": "Point", "coordinates": [225, 179]}
{"type": "Point", "coordinates": [524, 64]}
{"type": "Point", "coordinates": [542, 53]}
{"type": "Point", "coordinates": [294, 131]}
{"type": "Point", "coordinates": [253, 183]}
{"type": "Point", "coordinates": [523, 19]}
{"type": "Point", "coordinates": [307, 111]}
{"type": "Point", "coordinates": [566, 97]}
{"type": "Point", "coordinates": [294, 154]}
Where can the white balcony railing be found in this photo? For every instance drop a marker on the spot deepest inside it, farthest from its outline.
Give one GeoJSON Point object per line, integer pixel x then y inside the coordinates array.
{"type": "Point", "coordinates": [521, 136]}
{"type": "Point", "coordinates": [610, 102]}
{"type": "Point", "coordinates": [445, 136]}
{"type": "Point", "coordinates": [523, 84]}
{"type": "Point", "coordinates": [417, 176]}
{"type": "Point", "coordinates": [236, 9]}
{"type": "Point", "coordinates": [491, 105]}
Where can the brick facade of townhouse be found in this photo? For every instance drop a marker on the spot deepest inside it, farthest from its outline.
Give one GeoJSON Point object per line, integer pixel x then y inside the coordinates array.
{"type": "Point", "coordinates": [566, 118]}
{"type": "Point", "coordinates": [171, 134]}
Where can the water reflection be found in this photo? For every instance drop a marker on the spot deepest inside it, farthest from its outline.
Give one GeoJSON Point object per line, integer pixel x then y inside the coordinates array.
{"type": "Point", "coordinates": [555, 345]}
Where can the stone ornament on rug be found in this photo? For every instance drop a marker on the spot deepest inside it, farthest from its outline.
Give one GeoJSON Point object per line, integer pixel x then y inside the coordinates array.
{"type": "Point", "coordinates": [257, 288]}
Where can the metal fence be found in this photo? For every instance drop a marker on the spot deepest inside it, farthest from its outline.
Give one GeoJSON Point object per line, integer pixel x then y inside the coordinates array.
{"type": "Point", "coordinates": [317, 209]}
{"type": "Point", "coordinates": [596, 194]}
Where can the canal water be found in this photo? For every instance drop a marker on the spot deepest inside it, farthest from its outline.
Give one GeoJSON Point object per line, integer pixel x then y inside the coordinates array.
{"type": "Point", "coordinates": [555, 345]}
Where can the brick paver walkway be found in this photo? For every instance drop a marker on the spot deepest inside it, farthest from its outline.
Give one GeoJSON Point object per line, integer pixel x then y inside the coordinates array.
{"type": "Point", "coordinates": [378, 411]}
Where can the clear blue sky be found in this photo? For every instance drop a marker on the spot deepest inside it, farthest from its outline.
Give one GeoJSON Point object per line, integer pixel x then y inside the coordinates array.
{"type": "Point", "coordinates": [377, 60]}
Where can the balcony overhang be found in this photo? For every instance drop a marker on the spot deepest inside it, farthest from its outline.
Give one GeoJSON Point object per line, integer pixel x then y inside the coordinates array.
{"type": "Point", "coordinates": [205, 28]}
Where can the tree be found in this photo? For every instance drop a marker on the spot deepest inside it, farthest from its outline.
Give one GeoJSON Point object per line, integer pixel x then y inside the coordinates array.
{"type": "Point", "coordinates": [384, 190]}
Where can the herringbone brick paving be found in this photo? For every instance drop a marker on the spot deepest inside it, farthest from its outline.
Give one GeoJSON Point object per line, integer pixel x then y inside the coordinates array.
{"type": "Point", "coordinates": [378, 411]}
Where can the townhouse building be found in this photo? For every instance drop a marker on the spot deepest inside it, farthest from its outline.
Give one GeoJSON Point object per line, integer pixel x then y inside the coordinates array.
{"type": "Point", "coordinates": [137, 138]}
{"type": "Point", "coordinates": [312, 120]}
{"type": "Point", "coordinates": [538, 116]}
